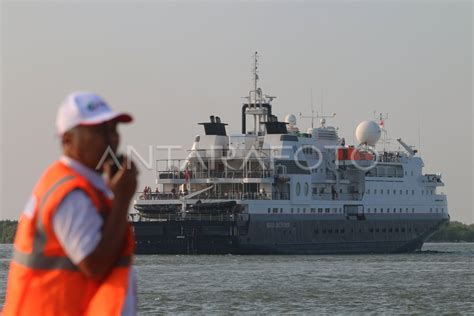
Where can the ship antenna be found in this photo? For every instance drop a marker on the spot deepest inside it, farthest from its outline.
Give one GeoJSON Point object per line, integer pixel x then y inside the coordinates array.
{"type": "Point", "coordinates": [255, 76]}
{"type": "Point", "coordinates": [419, 132]}
{"type": "Point", "coordinates": [312, 110]}
{"type": "Point", "coordinates": [382, 118]}
{"type": "Point", "coordinates": [313, 116]}
{"type": "Point", "coordinates": [322, 102]}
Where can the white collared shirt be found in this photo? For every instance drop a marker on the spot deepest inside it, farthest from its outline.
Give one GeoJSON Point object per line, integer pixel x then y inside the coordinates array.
{"type": "Point", "coordinates": [77, 225]}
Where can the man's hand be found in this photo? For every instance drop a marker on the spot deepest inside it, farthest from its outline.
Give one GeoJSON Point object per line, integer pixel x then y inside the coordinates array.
{"type": "Point", "coordinates": [123, 184]}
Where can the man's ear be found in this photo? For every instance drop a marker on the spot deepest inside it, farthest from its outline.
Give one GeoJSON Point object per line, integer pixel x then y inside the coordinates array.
{"type": "Point", "coordinates": [68, 137]}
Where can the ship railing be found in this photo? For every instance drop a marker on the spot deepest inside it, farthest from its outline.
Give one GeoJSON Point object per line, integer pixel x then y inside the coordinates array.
{"type": "Point", "coordinates": [189, 175]}
{"type": "Point", "coordinates": [142, 196]}
{"type": "Point", "coordinates": [432, 178]}
{"type": "Point", "coordinates": [136, 217]}
{"type": "Point", "coordinates": [390, 157]}
{"type": "Point", "coordinates": [157, 196]}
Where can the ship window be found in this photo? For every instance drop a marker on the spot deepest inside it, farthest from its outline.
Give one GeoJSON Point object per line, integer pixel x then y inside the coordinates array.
{"type": "Point", "coordinates": [329, 231]}
{"type": "Point", "coordinates": [384, 230]}
{"type": "Point", "coordinates": [320, 210]}
{"type": "Point", "coordinates": [324, 231]}
{"type": "Point", "coordinates": [327, 210]}
{"type": "Point", "coordinates": [403, 229]}
{"type": "Point", "coordinates": [406, 210]}
{"type": "Point", "coordinates": [269, 210]}
{"type": "Point", "coordinates": [306, 188]}
{"type": "Point", "coordinates": [401, 192]}
{"type": "Point", "coordinates": [394, 191]}
{"type": "Point", "coordinates": [275, 210]}
{"type": "Point", "coordinates": [381, 210]}
{"type": "Point", "coordinates": [406, 192]}
{"type": "Point", "coordinates": [375, 210]}
{"type": "Point", "coordinates": [381, 191]}
{"type": "Point", "coordinates": [342, 231]}
{"type": "Point", "coordinates": [371, 230]}
{"type": "Point", "coordinates": [298, 209]}
{"type": "Point", "coordinates": [281, 210]}
{"type": "Point", "coordinates": [413, 210]}
{"type": "Point", "coordinates": [388, 191]}
{"type": "Point", "coordinates": [291, 210]}
{"type": "Point", "coordinates": [336, 231]}
{"type": "Point", "coordinates": [396, 230]}
{"type": "Point", "coordinates": [409, 229]}
{"type": "Point", "coordinates": [401, 210]}
{"type": "Point", "coordinates": [298, 188]}
{"type": "Point", "coordinates": [375, 191]}
{"type": "Point", "coordinates": [304, 210]}
{"type": "Point", "coordinates": [390, 230]}
{"type": "Point", "coordinates": [377, 230]}
{"type": "Point", "coordinates": [412, 192]}
{"type": "Point", "coordinates": [394, 210]}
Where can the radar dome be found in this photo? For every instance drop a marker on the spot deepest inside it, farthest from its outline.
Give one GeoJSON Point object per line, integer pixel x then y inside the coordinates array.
{"type": "Point", "coordinates": [290, 119]}
{"type": "Point", "coordinates": [368, 132]}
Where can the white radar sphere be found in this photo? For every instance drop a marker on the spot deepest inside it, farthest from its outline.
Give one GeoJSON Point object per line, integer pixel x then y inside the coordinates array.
{"type": "Point", "coordinates": [368, 132]}
{"type": "Point", "coordinates": [290, 119]}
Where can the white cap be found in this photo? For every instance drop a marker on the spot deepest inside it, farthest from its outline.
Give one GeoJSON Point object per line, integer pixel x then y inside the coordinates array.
{"type": "Point", "coordinates": [85, 108]}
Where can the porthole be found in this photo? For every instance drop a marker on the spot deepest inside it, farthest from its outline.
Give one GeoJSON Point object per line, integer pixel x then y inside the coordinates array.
{"type": "Point", "coordinates": [306, 188]}
{"type": "Point", "coordinates": [298, 188]}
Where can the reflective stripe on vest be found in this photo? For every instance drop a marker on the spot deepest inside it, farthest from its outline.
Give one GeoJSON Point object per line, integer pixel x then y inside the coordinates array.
{"type": "Point", "coordinates": [36, 259]}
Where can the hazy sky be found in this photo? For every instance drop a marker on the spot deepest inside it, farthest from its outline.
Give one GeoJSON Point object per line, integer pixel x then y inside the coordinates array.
{"type": "Point", "coordinates": [174, 64]}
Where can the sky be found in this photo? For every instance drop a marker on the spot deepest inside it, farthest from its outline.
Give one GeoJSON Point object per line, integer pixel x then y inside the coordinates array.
{"type": "Point", "coordinates": [172, 64]}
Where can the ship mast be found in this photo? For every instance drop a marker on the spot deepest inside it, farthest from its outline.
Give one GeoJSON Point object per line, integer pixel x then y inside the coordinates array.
{"type": "Point", "coordinates": [255, 77]}
{"type": "Point", "coordinates": [258, 106]}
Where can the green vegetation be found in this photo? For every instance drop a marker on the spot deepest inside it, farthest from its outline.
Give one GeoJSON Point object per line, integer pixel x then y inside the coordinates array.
{"type": "Point", "coordinates": [7, 231]}
{"type": "Point", "coordinates": [453, 232]}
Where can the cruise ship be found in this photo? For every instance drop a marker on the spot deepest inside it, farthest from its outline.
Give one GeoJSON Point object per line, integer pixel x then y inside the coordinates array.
{"type": "Point", "coordinates": [276, 189]}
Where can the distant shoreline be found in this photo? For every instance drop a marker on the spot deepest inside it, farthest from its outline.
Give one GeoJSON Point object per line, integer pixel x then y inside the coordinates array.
{"type": "Point", "coordinates": [454, 232]}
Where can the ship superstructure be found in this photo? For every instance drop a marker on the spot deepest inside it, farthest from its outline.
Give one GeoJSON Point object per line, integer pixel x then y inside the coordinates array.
{"type": "Point", "coordinates": [275, 189]}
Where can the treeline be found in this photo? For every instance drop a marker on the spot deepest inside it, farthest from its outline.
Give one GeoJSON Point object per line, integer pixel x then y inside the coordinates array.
{"type": "Point", "coordinates": [453, 232]}
{"type": "Point", "coordinates": [7, 231]}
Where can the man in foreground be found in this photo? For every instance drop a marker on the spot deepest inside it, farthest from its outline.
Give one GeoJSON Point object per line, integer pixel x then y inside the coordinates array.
{"type": "Point", "coordinates": [73, 247]}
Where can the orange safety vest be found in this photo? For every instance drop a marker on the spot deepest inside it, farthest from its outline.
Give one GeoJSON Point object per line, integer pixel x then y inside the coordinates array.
{"type": "Point", "coordinates": [42, 280]}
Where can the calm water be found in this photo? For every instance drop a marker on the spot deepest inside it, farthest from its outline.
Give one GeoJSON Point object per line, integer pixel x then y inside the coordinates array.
{"type": "Point", "coordinates": [440, 279]}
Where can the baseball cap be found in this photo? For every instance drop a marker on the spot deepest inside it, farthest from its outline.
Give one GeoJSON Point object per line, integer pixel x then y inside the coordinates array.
{"type": "Point", "coordinates": [86, 108]}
